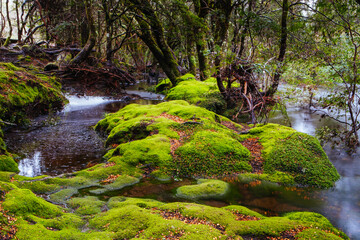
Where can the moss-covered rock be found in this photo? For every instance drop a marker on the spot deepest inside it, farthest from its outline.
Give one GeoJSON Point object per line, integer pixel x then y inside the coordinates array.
{"type": "Point", "coordinates": [158, 127]}
{"type": "Point", "coordinates": [63, 195]}
{"type": "Point", "coordinates": [23, 93]}
{"type": "Point", "coordinates": [8, 164]}
{"type": "Point", "coordinates": [295, 153]}
{"type": "Point", "coordinates": [86, 206]}
{"type": "Point", "coordinates": [212, 153]}
{"type": "Point", "coordinates": [205, 189]}
{"type": "Point", "coordinates": [23, 202]}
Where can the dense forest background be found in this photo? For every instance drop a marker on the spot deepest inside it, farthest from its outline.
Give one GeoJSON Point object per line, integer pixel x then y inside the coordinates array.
{"type": "Point", "coordinates": [248, 46]}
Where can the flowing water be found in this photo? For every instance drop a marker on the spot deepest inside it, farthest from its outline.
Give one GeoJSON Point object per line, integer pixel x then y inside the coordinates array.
{"type": "Point", "coordinates": [69, 143]}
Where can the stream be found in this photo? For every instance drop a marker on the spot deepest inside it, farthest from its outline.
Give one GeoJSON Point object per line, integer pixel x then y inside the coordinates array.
{"type": "Point", "coordinates": [67, 143]}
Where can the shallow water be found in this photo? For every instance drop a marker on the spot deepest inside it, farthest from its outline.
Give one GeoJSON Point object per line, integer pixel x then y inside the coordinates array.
{"type": "Point", "coordinates": [341, 204]}
{"type": "Point", "coordinates": [71, 144]}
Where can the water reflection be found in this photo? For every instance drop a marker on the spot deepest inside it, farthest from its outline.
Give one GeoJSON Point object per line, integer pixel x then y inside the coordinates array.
{"type": "Point", "coordinates": [31, 166]}
{"type": "Point", "coordinates": [67, 142]}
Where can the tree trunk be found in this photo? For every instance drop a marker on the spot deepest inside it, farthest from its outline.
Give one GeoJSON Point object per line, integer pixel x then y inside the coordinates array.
{"type": "Point", "coordinates": [85, 52]}
{"type": "Point", "coordinates": [282, 51]}
{"type": "Point", "coordinates": [7, 41]}
{"type": "Point", "coordinates": [152, 34]}
{"type": "Point", "coordinates": [190, 56]}
{"type": "Point", "coordinates": [202, 8]}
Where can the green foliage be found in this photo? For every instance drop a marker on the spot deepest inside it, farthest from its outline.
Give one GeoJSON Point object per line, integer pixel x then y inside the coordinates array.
{"type": "Point", "coordinates": [205, 189]}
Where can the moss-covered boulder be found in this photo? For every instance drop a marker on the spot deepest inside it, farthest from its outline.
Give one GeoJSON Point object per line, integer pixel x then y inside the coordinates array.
{"type": "Point", "coordinates": [295, 153]}
{"type": "Point", "coordinates": [204, 189]}
{"type": "Point", "coordinates": [213, 153]}
{"type": "Point", "coordinates": [174, 138]}
{"type": "Point", "coordinates": [179, 139]}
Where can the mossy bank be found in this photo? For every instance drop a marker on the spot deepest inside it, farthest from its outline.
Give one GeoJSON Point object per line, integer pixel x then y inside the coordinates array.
{"type": "Point", "coordinates": [24, 94]}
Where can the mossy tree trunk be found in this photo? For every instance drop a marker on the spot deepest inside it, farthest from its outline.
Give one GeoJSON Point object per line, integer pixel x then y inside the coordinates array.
{"type": "Point", "coordinates": [202, 8]}
{"type": "Point", "coordinates": [152, 34]}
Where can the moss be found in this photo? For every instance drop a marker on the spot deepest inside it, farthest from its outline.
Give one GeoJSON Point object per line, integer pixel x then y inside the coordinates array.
{"type": "Point", "coordinates": [6, 176]}
{"type": "Point", "coordinates": [119, 183]}
{"type": "Point", "coordinates": [316, 234]}
{"type": "Point", "coordinates": [23, 202]}
{"type": "Point", "coordinates": [153, 150]}
{"type": "Point", "coordinates": [38, 186]}
{"type": "Point", "coordinates": [86, 206]}
{"type": "Point", "coordinates": [243, 210]}
{"type": "Point", "coordinates": [160, 176]}
{"type": "Point", "coordinates": [117, 202]}
{"type": "Point", "coordinates": [63, 195]}
{"type": "Point", "coordinates": [273, 227]}
{"type": "Point", "coordinates": [77, 182]}
{"type": "Point", "coordinates": [315, 220]}
{"type": "Point", "coordinates": [132, 220]}
{"type": "Point", "coordinates": [23, 93]}
{"type": "Point", "coordinates": [212, 153]}
{"type": "Point", "coordinates": [8, 164]}
{"type": "Point", "coordinates": [102, 171]}
{"type": "Point", "coordinates": [179, 108]}
{"type": "Point", "coordinates": [28, 231]}
{"type": "Point", "coordinates": [67, 220]}
{"type": "Point", "coordinates": [204, 94]}
{"type": "Point", "coordinates": [163, 86]}
{"type": "Point", "coordinates": [9, 66]}
{"type": "Point", "coordinates": [191, 91]}
{"type": "Point", "coordinates": [205, 189]}
{"type": "Point", "coordinates": [297, 154]}
{"type": "Point", "coordinates": [276, 177]}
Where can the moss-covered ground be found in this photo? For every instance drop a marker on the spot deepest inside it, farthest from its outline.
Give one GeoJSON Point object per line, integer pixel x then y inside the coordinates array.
{"type": "Point", "coordinates": [31, 217]}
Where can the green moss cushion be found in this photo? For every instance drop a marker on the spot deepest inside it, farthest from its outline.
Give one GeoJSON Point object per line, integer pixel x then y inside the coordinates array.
{"type": "Point", "coordinates": [205, 189]}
